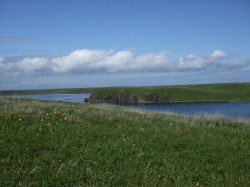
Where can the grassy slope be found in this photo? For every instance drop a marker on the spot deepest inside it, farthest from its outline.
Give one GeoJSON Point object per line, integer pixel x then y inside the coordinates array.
{"type": "Point", "coordinates": [65, 144]}
{"type": "Point", "coordinates": [206, 92]}
{"type": "Point", "coordinates": [46, 91]}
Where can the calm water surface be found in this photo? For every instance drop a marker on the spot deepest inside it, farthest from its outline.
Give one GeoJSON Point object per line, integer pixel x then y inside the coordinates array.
{"type": "Point", "coordinates": [75, 98]}
{"type": "Point", "coordinates": [227, 109]}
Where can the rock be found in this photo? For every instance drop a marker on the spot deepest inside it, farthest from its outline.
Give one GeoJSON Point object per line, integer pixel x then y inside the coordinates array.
{"type": "Point", "coordinates": [124, 97]}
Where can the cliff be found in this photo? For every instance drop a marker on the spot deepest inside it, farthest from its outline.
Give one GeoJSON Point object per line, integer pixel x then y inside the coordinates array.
{"type": "Point", "coordinates": [121, 96]}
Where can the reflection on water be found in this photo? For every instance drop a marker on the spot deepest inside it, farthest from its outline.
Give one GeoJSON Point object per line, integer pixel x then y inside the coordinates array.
{"type": "Point", "coordinates": [75, 98]}
{"type": "Point", "coordinates": [228, 109]}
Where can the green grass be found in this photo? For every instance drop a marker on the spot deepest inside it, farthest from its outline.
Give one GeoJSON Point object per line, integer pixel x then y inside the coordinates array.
{"type": "Point", "coordinates": [46, 91]}
{"type": "Point", "coordinates": [205, 92]}
{"type": "Point", "coordinates": [64, 144]}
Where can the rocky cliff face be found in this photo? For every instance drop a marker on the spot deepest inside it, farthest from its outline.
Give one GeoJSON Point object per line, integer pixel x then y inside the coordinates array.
{"type": "Point", "coordinates": [124, 97]}
{"type": "Point", "coordinates": [120, 97]}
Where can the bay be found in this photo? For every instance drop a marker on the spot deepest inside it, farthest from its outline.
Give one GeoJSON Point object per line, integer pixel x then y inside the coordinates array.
{"type": "Point", "coordinates": [226, 109]}
{"type": "Point", "coordinates": [75, 98]}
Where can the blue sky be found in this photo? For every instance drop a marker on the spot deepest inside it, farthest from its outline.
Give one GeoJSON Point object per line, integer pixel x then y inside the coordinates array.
{"type": "Point", "coordinates": [88, 43]}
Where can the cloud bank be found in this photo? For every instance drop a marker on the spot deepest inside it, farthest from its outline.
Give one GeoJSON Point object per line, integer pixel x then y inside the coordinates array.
{"type": "Point", "coordinates": [109, 61]}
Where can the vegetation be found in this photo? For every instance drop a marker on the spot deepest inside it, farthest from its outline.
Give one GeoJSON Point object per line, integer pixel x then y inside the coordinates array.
{"type": "Point", "coordinates": [46, 91]}
{"type": "Point", "coordinates": [155, 94]}
{"type": "Point", "coordinates": [159, 94]}
{"type": "Point", "coordinates": [65, 144]}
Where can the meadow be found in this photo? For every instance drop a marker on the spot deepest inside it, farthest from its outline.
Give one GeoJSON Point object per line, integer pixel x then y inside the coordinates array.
{"type": "Point", "coordinates": [46, 143]}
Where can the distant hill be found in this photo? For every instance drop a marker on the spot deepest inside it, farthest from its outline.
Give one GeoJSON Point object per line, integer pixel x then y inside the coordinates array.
{"type": "Point", "coordinates": [163, 94]}
{"type": "Point", "coordinates": [154, 94]}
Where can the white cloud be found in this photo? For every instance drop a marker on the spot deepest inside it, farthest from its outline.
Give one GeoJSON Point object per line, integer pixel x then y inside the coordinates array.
{"type": "Point", "coordinates": [78, 60]}
{"type": "Point", "coordinates": [2, 59]}
{"type": "Point", "coordinates": [113, 62]}
{"type": "Point", "coordinates": [2, 65]}
{"type": "Point", "coordinates": [86, 61]}
{"type": "Point", "coordinates": [217, 54]}
{"type": "Point", "coordinates": [151, 62]}
{"type": "Point", "coordinates": [239, 65]}
{"type": "Point", "coordinates": [191, 62]}
{"type": "Point", "coordinates": [37, 64]}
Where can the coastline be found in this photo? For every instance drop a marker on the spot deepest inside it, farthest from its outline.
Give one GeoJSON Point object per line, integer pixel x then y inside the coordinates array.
{"type": "Point", "coordinates": [169, 102]}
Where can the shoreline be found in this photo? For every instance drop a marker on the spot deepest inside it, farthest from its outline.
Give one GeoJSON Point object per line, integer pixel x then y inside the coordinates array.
{"type": "Point", "coordinates": [169, 102]}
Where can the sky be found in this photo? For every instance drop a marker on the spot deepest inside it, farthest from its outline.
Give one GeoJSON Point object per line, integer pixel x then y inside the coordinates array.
{"type": "Point", "coordinates": [99, 43]}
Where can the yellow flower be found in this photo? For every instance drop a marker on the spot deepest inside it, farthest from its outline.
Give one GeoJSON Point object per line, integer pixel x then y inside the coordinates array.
{"type": "Point", "coordinates": [65, 118]}
{"type": "Point", "coordinates": [49, 124]}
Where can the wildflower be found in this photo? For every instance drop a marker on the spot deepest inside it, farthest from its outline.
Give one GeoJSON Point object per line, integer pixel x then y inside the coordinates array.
{"type": "Point", "coordinates": [65, 119]}
{"type": "Point", "coordinates": [20, 119]}
{"type": "Point", "coordinates": [40, 129]}
{"type": "Point", "coordinates": [49, 124]}
{"type": "Point", "coordinates": [171, 124]}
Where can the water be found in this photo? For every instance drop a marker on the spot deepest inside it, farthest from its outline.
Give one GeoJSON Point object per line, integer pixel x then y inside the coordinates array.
{"type": "Point", "coordinates": [75, 98]}
{"type": "Point", "coordinates": [227, 109]}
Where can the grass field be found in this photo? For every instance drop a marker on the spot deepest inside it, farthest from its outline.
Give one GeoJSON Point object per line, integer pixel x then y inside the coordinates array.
{"type": "Point", "coordinates": [65, 144]}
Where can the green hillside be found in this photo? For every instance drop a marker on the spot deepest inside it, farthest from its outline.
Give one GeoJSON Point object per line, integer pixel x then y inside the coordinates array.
{"type": "Point", "coordinates": [201, 92]}
{"type": "Point", "coordinates": [46, 143]}
{"type": "Point", "coordinates": [155, 94]}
